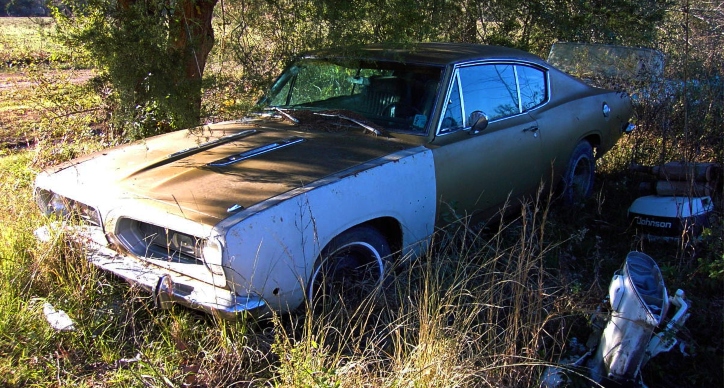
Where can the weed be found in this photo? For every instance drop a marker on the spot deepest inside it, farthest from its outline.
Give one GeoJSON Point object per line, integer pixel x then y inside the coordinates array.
{"type": "Point", "coordinates": [484, 307]}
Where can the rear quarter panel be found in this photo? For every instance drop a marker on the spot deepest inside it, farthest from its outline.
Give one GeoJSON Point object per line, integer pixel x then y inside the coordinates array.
{"type": "Point", "coordinates": [574, 113]}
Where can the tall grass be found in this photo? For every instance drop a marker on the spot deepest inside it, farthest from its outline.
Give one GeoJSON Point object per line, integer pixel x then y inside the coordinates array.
{"type": "Point", "coordinates": [478, 310]}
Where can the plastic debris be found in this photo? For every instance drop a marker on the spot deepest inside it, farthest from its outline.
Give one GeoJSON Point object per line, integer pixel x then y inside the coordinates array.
{"type": "Point", "coordinates": [58, 319]}
{"type": "Point", "coordinates": [129, 361]}
{"type": "Point", "coordinates": [43, 234]}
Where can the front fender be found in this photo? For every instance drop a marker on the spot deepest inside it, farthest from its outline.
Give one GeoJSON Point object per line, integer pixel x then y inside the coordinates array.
{"type": "Point", "coordinates": [271, 247]}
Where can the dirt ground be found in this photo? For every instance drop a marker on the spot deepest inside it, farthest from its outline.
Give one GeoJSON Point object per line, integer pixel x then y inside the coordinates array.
{"type": "Point", "coordinates": [21, 105]}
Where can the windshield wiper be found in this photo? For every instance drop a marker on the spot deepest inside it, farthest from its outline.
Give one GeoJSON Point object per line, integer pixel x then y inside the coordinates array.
{"type": "Point", "coordinates": [285, 114]}
{"type": "Point", "coordinates": [343, 117]}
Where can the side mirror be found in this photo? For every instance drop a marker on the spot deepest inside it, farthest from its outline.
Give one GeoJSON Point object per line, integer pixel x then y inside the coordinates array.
{"type": "Point", "coordinates": [479, 120]}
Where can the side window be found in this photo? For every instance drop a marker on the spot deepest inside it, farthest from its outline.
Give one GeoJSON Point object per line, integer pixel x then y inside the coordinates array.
{"type": "Point", "coordinates": [491, 89]}
{"type": "Point", "coordinates": [498, 90]}
{"type": "Point", "coordinates": [453, 116]}
{"type": "Point", "coordinates": [532, 84]}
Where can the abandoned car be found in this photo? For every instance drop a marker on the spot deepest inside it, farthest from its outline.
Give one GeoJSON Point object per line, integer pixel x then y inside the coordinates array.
{"type": "Point", "coordinates": [352, 157]}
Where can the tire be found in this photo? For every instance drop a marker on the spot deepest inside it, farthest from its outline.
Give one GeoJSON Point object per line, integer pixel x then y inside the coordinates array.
{"type": "Point", "coordinates": [579, 176]}
{"type": "Point", "coordinates": [350, 268]}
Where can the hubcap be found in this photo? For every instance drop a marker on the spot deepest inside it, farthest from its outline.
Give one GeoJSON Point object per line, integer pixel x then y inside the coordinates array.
{"type": "Point", "coordinates": [581, 179]}
{"type": "Point", "coordinates": [348, 275]}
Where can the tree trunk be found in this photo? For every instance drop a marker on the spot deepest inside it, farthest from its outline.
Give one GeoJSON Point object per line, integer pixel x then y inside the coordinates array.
{"type": "Point", "coordinates": [191, 38]}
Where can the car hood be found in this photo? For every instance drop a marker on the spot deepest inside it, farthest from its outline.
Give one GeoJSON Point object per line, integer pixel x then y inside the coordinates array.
{"type": "Point", "coordinates": [205, 173]}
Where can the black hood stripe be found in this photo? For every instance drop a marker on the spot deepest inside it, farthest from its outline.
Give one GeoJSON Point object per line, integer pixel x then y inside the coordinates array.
{"type": "Point", "coordinates": [178, 155]}
{"type": "Point", "coordinates": [229, 160]}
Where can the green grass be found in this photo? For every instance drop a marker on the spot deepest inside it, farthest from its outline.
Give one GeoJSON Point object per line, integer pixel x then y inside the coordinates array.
{"type": "Point", "coordinates": [27, 40]}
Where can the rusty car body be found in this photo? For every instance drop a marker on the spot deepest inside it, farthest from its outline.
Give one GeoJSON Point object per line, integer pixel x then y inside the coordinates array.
{"type": "Point", "coordinates": [352, 156]}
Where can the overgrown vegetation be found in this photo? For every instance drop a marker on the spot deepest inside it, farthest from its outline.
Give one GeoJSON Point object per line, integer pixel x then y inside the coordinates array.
{"type": "Point", "coordinates": [486, 307]}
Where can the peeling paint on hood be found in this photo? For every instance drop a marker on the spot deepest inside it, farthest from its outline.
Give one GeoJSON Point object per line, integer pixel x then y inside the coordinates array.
{"type": "Point", "coordinates": [176, 171]}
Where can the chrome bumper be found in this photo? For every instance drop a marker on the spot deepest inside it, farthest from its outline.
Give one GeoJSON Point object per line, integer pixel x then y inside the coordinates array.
{"type": "Point", "coordinates": [169, 287]}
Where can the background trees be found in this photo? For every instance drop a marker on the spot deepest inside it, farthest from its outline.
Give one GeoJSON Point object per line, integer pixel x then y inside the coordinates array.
{"type": "Point", "coordinates": [154, 52]}
{"type": "Point", "coordinates": [275, 29]}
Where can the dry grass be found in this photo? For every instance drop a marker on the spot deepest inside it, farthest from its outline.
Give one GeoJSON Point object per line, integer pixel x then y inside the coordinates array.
{"type": "Point", "coordinates": [476, 311]}
{"type": "Point", "coordinates": [480, 309]}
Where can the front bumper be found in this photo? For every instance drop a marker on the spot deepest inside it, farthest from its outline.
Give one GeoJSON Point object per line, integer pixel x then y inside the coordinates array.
{"type": "Point", "coordinates": [168, 287]}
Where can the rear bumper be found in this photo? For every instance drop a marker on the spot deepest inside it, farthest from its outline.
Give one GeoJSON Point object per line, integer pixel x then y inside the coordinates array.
{"type": "Point", "coordinates": [169, 287]}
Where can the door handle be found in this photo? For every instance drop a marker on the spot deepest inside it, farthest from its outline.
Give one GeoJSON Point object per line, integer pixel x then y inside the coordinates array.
{"type": "Point", "coordinates": [533, 128]}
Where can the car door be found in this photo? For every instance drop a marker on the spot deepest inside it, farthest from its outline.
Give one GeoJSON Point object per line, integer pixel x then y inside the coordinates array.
{"type": "Point", "coordinates": [477, 170]}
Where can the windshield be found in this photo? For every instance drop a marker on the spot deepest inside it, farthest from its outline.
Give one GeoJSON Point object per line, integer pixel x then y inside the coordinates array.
{"type": "Point", "coordinates": [391, 95]}
{"type": "Point", "coordinates": [604, 65]}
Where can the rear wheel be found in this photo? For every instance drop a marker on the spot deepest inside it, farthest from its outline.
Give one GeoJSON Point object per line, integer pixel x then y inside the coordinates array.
{"type": "Point", "coordinates": [579, 176]}
{"type": "Point", "coordinates": [350, 269]}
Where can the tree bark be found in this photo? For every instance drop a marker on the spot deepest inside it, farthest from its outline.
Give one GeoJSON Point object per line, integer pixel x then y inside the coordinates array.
{"type": "Point", "coordinates": [191, 38]}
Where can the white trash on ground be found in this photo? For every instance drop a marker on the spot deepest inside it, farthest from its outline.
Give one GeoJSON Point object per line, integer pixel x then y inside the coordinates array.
{"type": "Point", "coordinates": [58, 319]}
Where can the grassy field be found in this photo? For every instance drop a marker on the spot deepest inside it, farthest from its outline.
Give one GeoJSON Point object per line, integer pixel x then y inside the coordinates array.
{"type": "Point", "coordinates": [26, 40]}
{"type": "Point", "coordinates": [486, 307]}
{"type": "Point", "coordinates": [42, 95]}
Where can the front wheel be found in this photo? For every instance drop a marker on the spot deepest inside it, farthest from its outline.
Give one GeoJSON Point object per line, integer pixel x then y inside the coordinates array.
{"type": "Point", "coordinates": [350, 268]}
{"type": "Point", "coordinates": [579, 176]}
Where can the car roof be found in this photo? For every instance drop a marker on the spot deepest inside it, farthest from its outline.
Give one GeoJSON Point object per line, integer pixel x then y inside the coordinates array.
{"type": "Point", "coordinates": [426, 53]}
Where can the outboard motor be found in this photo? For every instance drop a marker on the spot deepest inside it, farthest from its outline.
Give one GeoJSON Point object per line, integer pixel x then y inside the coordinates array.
{"type": "Point", "coordinates": [639, 304]}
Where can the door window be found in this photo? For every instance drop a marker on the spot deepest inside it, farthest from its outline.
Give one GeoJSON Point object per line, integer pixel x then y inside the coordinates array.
{"type": "Point", "coordinates": [491, 89]}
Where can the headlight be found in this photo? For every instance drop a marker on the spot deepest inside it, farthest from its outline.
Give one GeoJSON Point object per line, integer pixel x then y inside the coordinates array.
{"type": "Point", "coordinates": [184, 243]}
{"type": "Point", "coordinates": [58, 205]}
{"type": "Point", "coordinates": [52, 203]}
{"type": "Point", "coordinates": [213, 254]}
{"type": "Point", "coordinates": [42, 198]}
